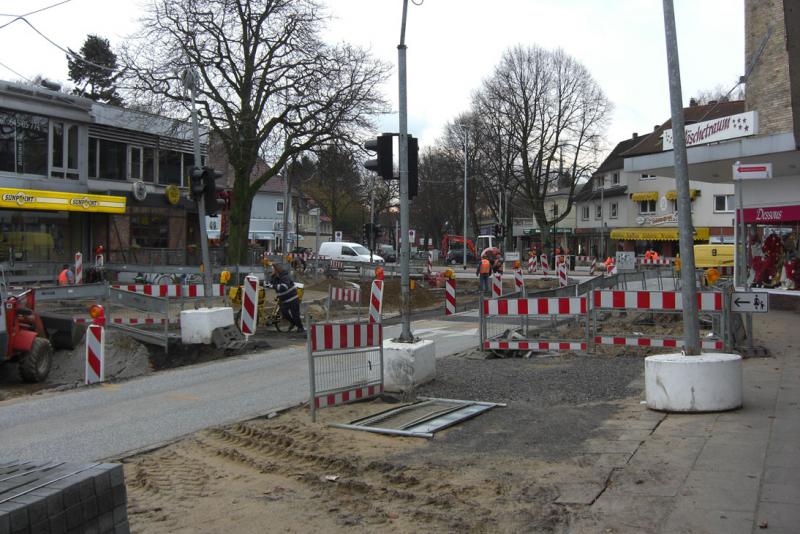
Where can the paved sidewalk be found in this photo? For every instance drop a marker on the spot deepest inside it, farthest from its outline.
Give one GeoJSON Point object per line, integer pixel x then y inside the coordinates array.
{"type": "Point", "coordinates": [726, 473]}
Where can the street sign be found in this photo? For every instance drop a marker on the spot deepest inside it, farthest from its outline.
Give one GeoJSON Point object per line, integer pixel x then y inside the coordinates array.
{"type": "Point", "coordinates": [412, 235]}
{"type": "Point", "coordinates": [752, 171]}
{"type": "Point", "coordinates": [337, 235]}
{"type": "Point", "coordinates": [751, 302]}
{"type": "Point", "coordinates": [625, 261]}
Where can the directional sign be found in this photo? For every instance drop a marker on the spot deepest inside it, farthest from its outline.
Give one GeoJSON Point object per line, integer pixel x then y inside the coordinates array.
{"type": "Point", "coordinates": [337, 235]}
{"type": "Point", "coordinates": [751, 302]}
{"type": "Point", "coordinates": [752, 171]}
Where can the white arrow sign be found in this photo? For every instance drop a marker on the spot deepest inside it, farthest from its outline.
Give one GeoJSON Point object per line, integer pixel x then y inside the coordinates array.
{"type": "Point", "coordinates": [752, 302]}
{"type": "Point", "coordinates": [752, 171]}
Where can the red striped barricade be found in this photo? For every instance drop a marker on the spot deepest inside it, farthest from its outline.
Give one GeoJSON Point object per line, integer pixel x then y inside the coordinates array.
{"type": "Point", "coordinates": [593, 266]}
{"type": "Point", "coordinates": [343, 294]}
{"type": "Point", "coordinates": [345, 363]}
{"type": "Point", "coordinates": [659, 261]}
{"type": "Point", "coordinates": [545, 264]}
{"type": "Point", "coordinates": [129, 320]}
{"type": "Point", "coordinates": [449, 296]}
{"type": "Point", "coordinates": [563, 279]}
{"type": "Point", "coordinates": [519, 282]}
{"type": "Point", "coordinates": [430, 263]}
{"type": "Point", "coordinates": [95, 354]}
{"type": "Point", "coordinates": [497, 285]}
{"type": "Point", "coordinates": [533, 264]}
{"type": "Point", "coordinates": [376, 301]}
{"type": "Point", "coordinates": [78, 268]}
{"type": "Point", "coordinates": [527, 323]}
{"type": "Point", "coordinates": [249, 314]}
{"type": "Point", "coordinates": [656, 302]}
{"type": "Point", "coordinates": [99, 260]}
{"type": "Point", "coordinates": [172, 290]}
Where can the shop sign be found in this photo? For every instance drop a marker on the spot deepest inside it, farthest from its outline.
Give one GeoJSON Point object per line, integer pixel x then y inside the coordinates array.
{"type": "Point", "coordinates": [721, 129]}
{"type": "Point", "coordinates": [772, 214]}
{"type": "Point", "coordinates": [173, 194]}
{"type": "Point", "coordinates": [670, 218]}
{"type": "Point", "coordinates": [60, 201]}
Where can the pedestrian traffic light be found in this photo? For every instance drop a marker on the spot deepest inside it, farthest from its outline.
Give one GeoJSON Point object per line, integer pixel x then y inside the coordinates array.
{"type": "Point", "coordinates": [210, 190]}
{"type": "Point", "coordinates": [382, 164]}
{"type": "Point", "coordinates": [413, 160]}
{"type": "Point", "coordinates": [196, 183]}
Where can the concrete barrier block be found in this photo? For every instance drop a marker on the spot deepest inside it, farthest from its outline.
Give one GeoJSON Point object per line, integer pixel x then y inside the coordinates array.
{"type": "Point", "coordinates": [408, 365]}
{"type": "Point", "coordinates": [197, 325]}
{"type": "Point", "coordinates": [705, 383]}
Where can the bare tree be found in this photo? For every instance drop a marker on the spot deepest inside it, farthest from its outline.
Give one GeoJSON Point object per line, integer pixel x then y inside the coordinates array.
{"type": "Point", "coordinates": [270, 88]}
{"type": "Point", "coordinates": [546, 115]}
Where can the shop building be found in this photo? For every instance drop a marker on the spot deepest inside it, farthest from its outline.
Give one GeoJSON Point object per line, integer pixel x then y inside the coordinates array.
{"type": "Point", "coordinates": [765, 131]}
{"type": "Point", "coordinates": [527, 233]}
{"type": "Point", "coordinates": [75, 174]}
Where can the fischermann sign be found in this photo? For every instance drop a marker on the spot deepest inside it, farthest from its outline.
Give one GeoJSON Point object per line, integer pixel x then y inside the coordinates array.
{"type": "Point", "coordinates": [722, 129]}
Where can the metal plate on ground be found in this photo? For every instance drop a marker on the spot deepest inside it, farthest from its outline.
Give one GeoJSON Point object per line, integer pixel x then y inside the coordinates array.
{"type": "Point", "coordinates": [420, 419]}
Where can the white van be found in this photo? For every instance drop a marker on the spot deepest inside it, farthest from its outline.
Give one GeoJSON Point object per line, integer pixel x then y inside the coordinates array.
{"type": "Point", "coordinates": [344, 251]}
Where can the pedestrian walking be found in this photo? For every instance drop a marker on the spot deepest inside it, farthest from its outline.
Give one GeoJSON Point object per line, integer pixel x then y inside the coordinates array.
{"type": "Point", "coordinates": [283, 285]}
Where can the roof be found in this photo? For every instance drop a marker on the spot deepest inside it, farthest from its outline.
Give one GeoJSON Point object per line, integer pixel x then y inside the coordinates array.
{"type": "Point", "coordinates": [614, 160]}
{"type": "Point", "coordinates": [586, 193]}
{"type": "Point", "coordinates": [652, 144]}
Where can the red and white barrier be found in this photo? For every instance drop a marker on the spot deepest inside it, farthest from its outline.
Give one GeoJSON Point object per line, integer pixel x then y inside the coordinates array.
{"type": "Point", "coordinates": [497, 285]}
{"type": "Point", "coordinates": [449, 296]}
{"type": "Point", "coordinates": [343, 397]}
{"type": "Point", "coordinates": [519, 282]}
{"type": "Point", "coordinates": [249, 314]}
{"type": "Point", "coordinates": [127, 320]}
{"type": "Point", "coordinates": [328, 336]}
{"type": "Point", "coordinates": [653, 342]}
{"type": "Point", "coordinates": [654, 300]}
{"type": "Point", "coordinates": [346, 294]}
{"type": "Point", "coordinates": [563, 280]}
{"type": "Point", "coordinates": [99, 261]}
{"type": "Point", "coordinates": [535, 306]}
{"type": "Point", "coordinates": [78, 268]}
{"type": "Point", "coordinates": [172, 290]}
{"type": "Point", "coordinates": [95, 354]}
{"type": "Point", "coordinates": [545, 264]}
{"type": "Point", "coordinates": [376, 301]}
{"type": "Point", "coordinates": [430, 263]}
{"type": "Point", "coordinates": [534, 345]}
{"type": "Point", "coordinates": [533, 264]}
{"type": "Point", "coordinates": [660, 261]}
{"type": "Point", "coordinates": [593, 267]}
{"type": "Point", "coordinates": [336, 264]}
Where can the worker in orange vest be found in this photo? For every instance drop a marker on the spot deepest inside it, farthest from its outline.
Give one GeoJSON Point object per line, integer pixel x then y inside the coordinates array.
{"type": "Point", "coordinates": [66, 277]}
{"type": "Point", "coordinates": [654, 256]}
{"type": "Point", "coordinates": [648, 255]}
{"type": "Point", "coordinates": [484, 270]}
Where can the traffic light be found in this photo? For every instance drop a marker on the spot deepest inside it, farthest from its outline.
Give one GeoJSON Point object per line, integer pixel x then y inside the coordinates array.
{"type": "Point", "coordinates": [196, 184]}
{"type": "Point", "coordinates": [210, 190]}
{"type": "Point", "coordinates": [413, 160]}
{"type": "Point", "coordinates": [365, 229]}
{"type": "Point", "coordinates": [382, 164]}
{"type": "Point", "coordinates": [498, 230]}
{"type": "Point", "coordinates": [377, 230]}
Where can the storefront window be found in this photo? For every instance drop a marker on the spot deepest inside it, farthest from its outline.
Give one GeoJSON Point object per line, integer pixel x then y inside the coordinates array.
{"type": "Point", "coordinates": [23, 143]}
{"type": "Point", "coordinates": [149, 231]}
{"type": "Point", "coordinates": [38, 236]}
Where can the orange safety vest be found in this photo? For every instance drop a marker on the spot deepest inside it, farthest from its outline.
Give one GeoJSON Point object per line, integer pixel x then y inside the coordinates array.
{"type": "Point", "coordinates": [655, 255]}
{"type": "Point", "coordinates": [648, 255]}
{"type": "Point", "coordinates": [485, 266]}
{"type": "Point", "coordinates": [63, 278]}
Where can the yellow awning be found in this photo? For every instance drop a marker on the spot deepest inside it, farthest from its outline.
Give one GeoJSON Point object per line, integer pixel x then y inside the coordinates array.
{"type": "Point", "coordinates": [655, 234]}
{"type": "Point", "coordinates": [644, 195]}
{"type": "Point", "coordinates": [31, 199]}
{"type": "Point", "coordinates": [673, 195]}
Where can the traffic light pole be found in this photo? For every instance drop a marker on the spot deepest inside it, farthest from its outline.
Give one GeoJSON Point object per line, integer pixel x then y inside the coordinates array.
{"type": "Point", "coordinates": [191, 78]}
{"type": "Point", "coordinates": [405, 250]}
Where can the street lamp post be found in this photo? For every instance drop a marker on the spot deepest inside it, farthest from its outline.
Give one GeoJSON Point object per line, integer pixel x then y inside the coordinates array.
{"type": "Point", "coordinates": [466, 144]}
{"type": "Point", "coordinates": [405, 250]}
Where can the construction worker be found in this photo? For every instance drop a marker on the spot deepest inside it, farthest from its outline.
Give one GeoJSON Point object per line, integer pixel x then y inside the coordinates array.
{"type": "Point", "coordinates": [66, 276]}
{"type": "Point", "coordinates": [483, 272]}
{"type": "Point", "coordinates": [654, 256]}
{"type": "Point", "coordinates": [283, 285]}
{"type": "Point", "coordinates": [648, 255]}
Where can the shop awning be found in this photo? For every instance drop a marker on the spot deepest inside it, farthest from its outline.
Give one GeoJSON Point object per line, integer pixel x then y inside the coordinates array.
{"type": "Point", "coordinates": [673, 195]}
{"type": "Point", "coordinates": [655, 234]}
{"type": "Point", "coordinates": [644, 195]}
{"type": "Point", "coordinates": [31, 199]}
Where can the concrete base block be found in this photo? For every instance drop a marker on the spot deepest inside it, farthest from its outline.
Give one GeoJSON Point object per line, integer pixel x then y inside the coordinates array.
{"type": "Point", "coordinates": [408, 365]}
{"type": "Point", "coordinates": [705, 383]}
{"type": "Point", "coordinates": [197, 325]}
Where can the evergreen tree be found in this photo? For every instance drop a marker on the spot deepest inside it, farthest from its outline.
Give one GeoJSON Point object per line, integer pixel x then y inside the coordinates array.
{"type": "Point", "coordinates": [95, 76]}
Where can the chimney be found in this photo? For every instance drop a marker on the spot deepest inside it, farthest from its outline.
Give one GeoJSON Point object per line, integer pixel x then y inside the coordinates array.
{"type": "Point", "coordinates": [692, 102]}
{"type": "Point", "coordinates": [712, 102]}
{"type": "Point", "coordinates": [656, 127]}
{"type": "Point", "coordinates": [635, 135]}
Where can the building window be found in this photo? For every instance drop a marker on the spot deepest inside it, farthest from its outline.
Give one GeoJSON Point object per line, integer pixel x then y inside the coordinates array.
{"type": "Point", "coordinates": [148, 164]}
{"type": "Point", "coordinates": [724, 203]}
{"type": "Point", "coordinates": [23, 143]}
{"type": "Point", "coordinates": [598, 211]}
{"type": "Point", "coordinates": [674, 204]}
{"type": "Point", "coordinates": [64, 150]}
{"type": "Point", "coordinates": [614, 207]}
{"type": "Point", "coordinates": [170, 167]}
{"type": "Point", "coordinates": [555, 210]}
{"type": "Point", "coordinates": [585, 213]}
{"type": "Point", "coordinates": [112, 160]}
{"type": "Point", "coordinates": [135, 162]}
{"type": "Point", "coordinates": [279, 206]}
{"type": "Point", "coordinates": [149, 231]}
{"type": "Point", "coordinates": [615, 179]}
{"type": "Point", "coordinates": [647, 177]}
{"type": "Point", "coordinates": [647, 206]}
{"type": "Point", "coordinates": [599, 183]}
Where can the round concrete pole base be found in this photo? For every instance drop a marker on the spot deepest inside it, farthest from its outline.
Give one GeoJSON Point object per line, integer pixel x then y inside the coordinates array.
{"type": "Point", "coordinates": [705, 383]}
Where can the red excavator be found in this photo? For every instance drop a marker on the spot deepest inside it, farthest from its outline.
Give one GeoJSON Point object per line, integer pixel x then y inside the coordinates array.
{"type": "Point", "coordinates": [23, 338]}
{"type": "Point", "coordinates": [448, 239]}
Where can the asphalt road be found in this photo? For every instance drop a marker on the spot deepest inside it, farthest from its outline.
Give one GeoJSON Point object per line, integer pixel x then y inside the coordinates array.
{"type": "Point", "coordinates": [109, 420]}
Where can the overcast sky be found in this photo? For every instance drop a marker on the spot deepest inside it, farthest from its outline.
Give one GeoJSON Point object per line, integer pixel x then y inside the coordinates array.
{"type": "Point", "coordinates": [454, 44]}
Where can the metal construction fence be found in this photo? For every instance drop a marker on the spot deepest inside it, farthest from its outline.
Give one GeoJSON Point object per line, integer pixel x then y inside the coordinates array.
{"type": "Point", "coordinates": [345, 363]}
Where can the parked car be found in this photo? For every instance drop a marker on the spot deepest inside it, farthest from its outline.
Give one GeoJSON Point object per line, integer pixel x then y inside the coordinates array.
{"type": "Point", "coordinates": [388, 253]}
{"type": "Point", "coordinates": [346, 251]}
{"type": "Point", "coordinates": [456, 256]}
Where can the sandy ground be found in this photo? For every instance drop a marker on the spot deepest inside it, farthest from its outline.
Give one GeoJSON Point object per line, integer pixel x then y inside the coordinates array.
{"type": "Point", "coordinates": [503, 471]}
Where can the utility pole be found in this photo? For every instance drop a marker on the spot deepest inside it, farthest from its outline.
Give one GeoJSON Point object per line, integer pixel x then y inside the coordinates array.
{"type": "Point", "coordinates": [405, 250]}
{"type": "Point", "coordinates": [371, 219]}
{"type": "Point", "coordinates": [466, 144]}
{"type": "Point", "coordinates": [190, 81]}
{"type": "Point", "coordinates": [691, 329]}
{"type": "Point", "coordinates": [286, 204]}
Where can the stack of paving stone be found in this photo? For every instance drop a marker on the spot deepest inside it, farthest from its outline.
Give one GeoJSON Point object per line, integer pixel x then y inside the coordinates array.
{"type": "Point", "coordinates": [58, 497]}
